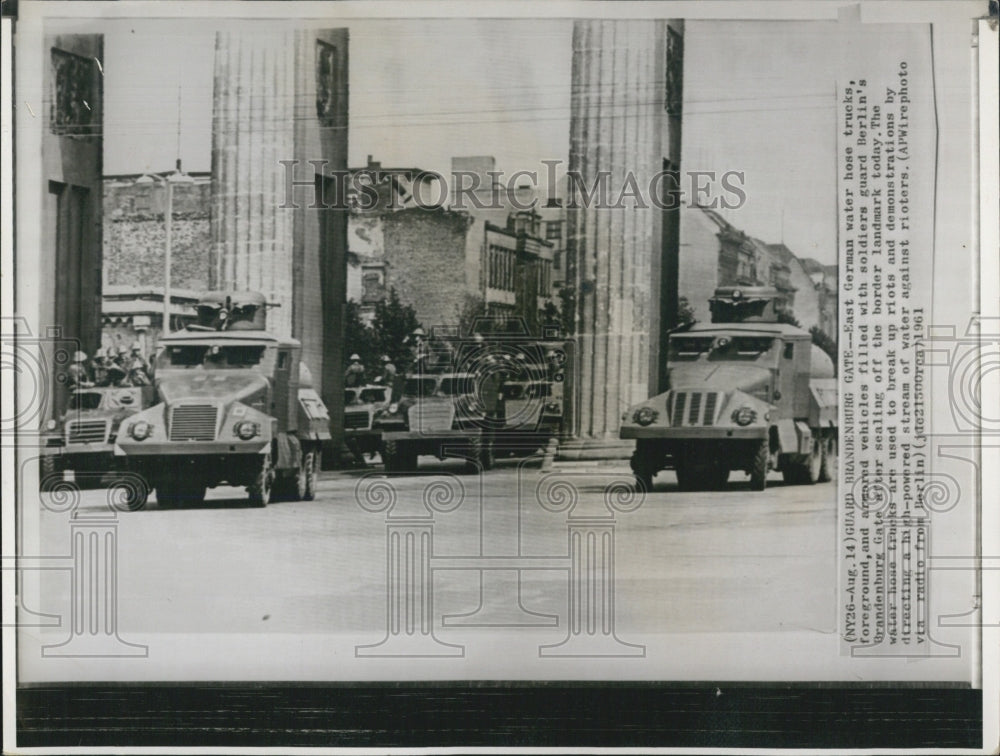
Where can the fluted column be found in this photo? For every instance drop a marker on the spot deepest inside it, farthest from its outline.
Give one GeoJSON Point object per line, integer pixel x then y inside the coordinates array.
{"type": "Point", "coordinates": [616, 121]}
{"type": "Point", "coordinates": [253, 129]}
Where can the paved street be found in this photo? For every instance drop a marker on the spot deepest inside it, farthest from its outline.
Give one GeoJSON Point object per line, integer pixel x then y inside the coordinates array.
{"type": "Point", "coordinates": [733, 560]}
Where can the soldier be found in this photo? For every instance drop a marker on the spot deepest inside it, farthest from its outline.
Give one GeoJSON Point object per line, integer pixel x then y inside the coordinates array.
{"type": "Point", "coordinates": [419, 353]}
{"type": "Point", "coordinates": [388, 377]}
{"type": "Point", "coordinates": [355, 373]}
{"type": "Point", "coordinates": [117, 376]}
{"type": "Point", "coordinates": [79, 376]}
{"type": "Point", "coordinates": [99, 368]}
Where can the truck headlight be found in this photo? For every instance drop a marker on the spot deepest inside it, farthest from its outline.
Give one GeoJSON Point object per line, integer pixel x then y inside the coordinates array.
{"type": "Point", "coordinates": [50, 425]}
{"type": "Point", "coordinates": [645, 415]}
{"type": "Point", "coordinates": [246, 429]}
{"type": "Point", "coordinates": [552, 407]}
{"type": "Point", "coordinates": [744, 415]}
{"type": "Point", "coordinates": [140, 430]}
{"type": "Point", "coordinates": [393, 408]}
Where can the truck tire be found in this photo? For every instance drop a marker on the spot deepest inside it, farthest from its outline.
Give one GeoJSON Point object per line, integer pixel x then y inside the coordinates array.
{"type": "Point", "coordinates": [758, 467]}
{"type": "Point", "coordinates": [828, 470]}
{"type": "Point", "coordinates": [259, 492]}
{"type": "Point", "coordinates": [474, 453]}
{"type": "Point", "coordinates": [486, 457]}
{"type": "Point", "coordinates": [132, 498]}
{"type": "Point", "coordinates": [813, 465]}
{"type": "Point", "coordinates": [310, 462]}
{"type": "Point", "coordinates": [48, 472]}
{"type": "Point", "coordinates": [390, 456]}
{"type": "Point", "coordinates": [167, 496]}
{"type": "Point", "coordinates": [642, 467]}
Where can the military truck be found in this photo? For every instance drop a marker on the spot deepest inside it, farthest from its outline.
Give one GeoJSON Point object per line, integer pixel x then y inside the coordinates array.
{"type": "Point", "coordinates": [438, 414]}
{"type": "Point", "coordinates": [236, 407]}
{"type": "Point", "coordinates": [746, 392]}
{"type": "Point", "coordinates": [361, 404]}
{"type": "Point", "coordinates": [532, 397]}
{"type": "Point", "coordinates": [82, 439]}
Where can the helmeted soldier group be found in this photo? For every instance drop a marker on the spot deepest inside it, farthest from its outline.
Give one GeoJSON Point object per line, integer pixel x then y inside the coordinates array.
{"type": "Point", "coordinates": [113, 366]}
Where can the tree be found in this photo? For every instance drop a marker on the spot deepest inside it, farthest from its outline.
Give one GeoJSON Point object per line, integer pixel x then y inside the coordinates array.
{"type": "Point", "coordinates": [359, 338]}
{"type": "Point", "coordinates": [392, 324]}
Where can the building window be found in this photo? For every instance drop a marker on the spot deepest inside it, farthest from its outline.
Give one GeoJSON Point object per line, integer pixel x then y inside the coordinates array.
{"type": "Point", "coordinates": [74, 97]}
{"type": "Point", "coordinates": [327, 85]}
{"type": "Point", "coordinates": [553, 230]}
{"type": "Point", "coordinates": [675, 72]}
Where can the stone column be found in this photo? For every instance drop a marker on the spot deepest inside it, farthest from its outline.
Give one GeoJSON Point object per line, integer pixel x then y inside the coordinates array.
{"type": "Point", "coordinates": [253, 128]}
{"type": "Point", "coordinates": [614, 249]}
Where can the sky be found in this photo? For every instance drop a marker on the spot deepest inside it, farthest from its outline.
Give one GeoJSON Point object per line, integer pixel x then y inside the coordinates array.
{"type": "Point", "coordinates": [760, 97]}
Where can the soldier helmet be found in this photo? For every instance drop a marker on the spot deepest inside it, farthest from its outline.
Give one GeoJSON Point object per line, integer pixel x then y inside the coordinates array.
{"type": "Point", "coordinates": [123, 349]}
{"type": "Point", "coordinates": [355, 358]}
{"type": "Point", "coordinates": [419, 332]}
{"type": "Point", "coordinates": [385, 358]}
{"type": "Point", "coordinates": [136, 347]}
{"type": "Point", "coordinates": [79, 356]}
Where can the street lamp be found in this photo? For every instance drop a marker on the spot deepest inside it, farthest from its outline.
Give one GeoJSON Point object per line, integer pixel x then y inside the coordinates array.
{"type": "Point", "coordinates": [169, 180]}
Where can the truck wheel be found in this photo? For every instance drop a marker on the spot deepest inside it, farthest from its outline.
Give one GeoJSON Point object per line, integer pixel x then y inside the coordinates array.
{"type": "Point", "coordinates": [131, 498]}
{"type": "Point", "coordinates": [167, 496]}
{"type": "Point", "coordinates": [390, 456]}
{"type": "Point", "coordinates": [474, 453]}
{"type": "Point", "coordinates": [307, 491]}
{"type": "Point", "coordinates": [643, 470]}
{"type": "Point", "coordinates": [48, 473]}
{"type": "Point", "coordinates": [828, 470]}
{"type": "Point", "coordinates": [758, 467]}
{"type": "Point", "coordinates": [813, 465]}
{"type": "Point", "coordinates": [260, 490]}
{"type": "Point", "coordinates": [686, 480]}
{"type": "Point", "coordinates": [486, 456]}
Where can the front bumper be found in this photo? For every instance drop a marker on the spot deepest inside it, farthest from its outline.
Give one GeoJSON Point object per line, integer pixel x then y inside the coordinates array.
{"type": "Point", "coordinates": [190, 448]}
{"type": "Point", "coordinates": [705, 433]}
{"type": "Point", "coordinates": [447, 435]}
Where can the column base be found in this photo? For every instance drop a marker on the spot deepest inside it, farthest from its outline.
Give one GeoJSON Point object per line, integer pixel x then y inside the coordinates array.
{"type": "Point", "coordinates": [403, 645]}
{"type": "Point", "coordinates": [500, 605]}
{"type": "Point", "coordinates": [598, 644]}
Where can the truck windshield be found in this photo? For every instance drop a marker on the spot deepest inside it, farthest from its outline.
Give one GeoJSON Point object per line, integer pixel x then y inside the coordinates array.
{"type": "Point", "coordinates": [530, 390]}
{"type": "Point", "coordinates": [689, 347]}
{"type": "Point", "coordinates": [456, 385]}
{"type": "Point", "coordinates": [419, 386]}
{"type": "Point", "coordinates": [85, 400]}
{"type": "Point", "coordinates": [372, 396]}
{"type": "Point", "coordinates": [212, 356]}
{"type": "Point", "coordinates": [741, 347]}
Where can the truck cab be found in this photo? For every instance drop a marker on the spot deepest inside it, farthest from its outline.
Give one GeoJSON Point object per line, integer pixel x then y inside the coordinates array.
{"type": "Point", "coordinates": [746, 392]}
{"type": "Point", "coordinates": [236, 407]}
{"type": "Point", "coordinates": [438, 414]}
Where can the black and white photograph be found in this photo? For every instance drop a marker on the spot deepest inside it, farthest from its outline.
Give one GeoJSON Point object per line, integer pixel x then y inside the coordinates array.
{"type": "Point", "coordinates": [580, 375]}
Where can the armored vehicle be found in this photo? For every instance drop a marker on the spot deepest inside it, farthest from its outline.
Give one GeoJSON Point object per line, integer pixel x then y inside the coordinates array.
{"type": "Point", "coordinates": [746, 392]}
{"type": "Point", "coordinates": [439, 414]}
{"type": "Point", "coordinates": [83, 438]}
{"type": "Point", "coordinates": [532, 398]}
{"type": "Point", "coordinates": [361, 404]}
{"type": "Point", "coordinates": [236, 407]}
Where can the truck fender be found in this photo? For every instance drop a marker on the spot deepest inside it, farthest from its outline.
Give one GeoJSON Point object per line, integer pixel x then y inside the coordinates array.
{"type": "Point", "coordinates": [794, 436]}
{"type": "Point", "coordinates": [289, 452]}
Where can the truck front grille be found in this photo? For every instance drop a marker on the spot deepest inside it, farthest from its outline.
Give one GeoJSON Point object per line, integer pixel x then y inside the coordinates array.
{"type": "Point", "coordinates": [193, 422]}
{"type": "Point", "coordinates": [693, 408]}
{"type": "Point", "coordinates": [87, 431]}
{"type": "Point", "coordinates": [428, 417]}
{"type": "Point", "coordinates": [357, 420]}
